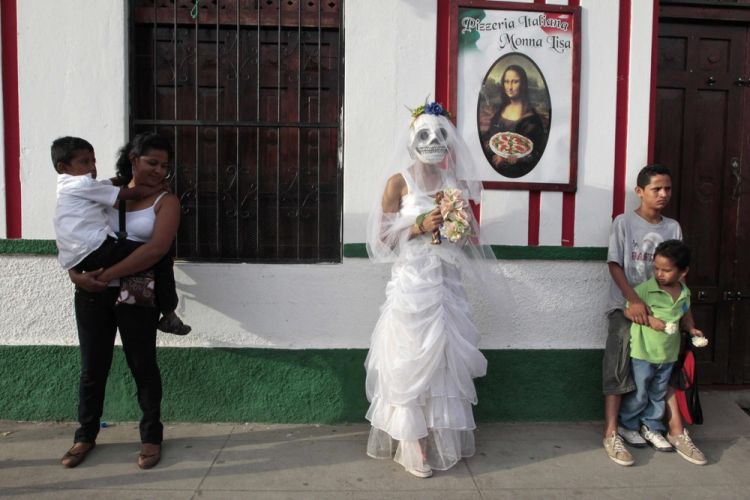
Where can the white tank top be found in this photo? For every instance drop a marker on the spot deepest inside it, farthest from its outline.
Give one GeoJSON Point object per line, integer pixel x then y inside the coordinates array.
{"type": "Point", "coordinates": [139, 224]}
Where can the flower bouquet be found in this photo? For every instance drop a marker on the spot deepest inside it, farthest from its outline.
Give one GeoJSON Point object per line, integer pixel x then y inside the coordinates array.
{"type": "Point", "coordinates": [453, 209]}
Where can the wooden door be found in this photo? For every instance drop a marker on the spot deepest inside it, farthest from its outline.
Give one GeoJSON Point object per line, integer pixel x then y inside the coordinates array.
{"type": "Point", "coordinates": [701, 112]}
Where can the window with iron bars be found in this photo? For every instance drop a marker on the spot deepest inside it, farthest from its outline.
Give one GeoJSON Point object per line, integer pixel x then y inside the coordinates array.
{"type": "Point", "coordinates": [250, 93]}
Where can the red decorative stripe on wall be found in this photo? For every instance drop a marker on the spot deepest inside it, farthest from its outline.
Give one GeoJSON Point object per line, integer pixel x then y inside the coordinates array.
{"type": "Point", "coordinates": [442, 55]}
{"type": "Point", "coordinates": [535, 209]}
{"type": "Point", "coordinates": [568, 219]}
{"type": "Point", "coordinates": [9, 40]}
{"type": "Point", "coordinates": [621, 114]}
{"type": "Point", "coordinates": [569, 199]}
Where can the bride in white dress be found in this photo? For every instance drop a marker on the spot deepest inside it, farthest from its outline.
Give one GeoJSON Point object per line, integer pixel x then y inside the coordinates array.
{"type": "Point", "coordinates": [423, 355]}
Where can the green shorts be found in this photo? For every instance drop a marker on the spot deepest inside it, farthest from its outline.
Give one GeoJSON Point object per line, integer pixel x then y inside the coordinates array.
{"type": "Point", "coordinates": [616, 378]}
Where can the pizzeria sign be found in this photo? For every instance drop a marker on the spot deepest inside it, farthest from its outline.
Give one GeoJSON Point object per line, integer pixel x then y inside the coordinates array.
{"type": "Point", "coordinates": [516, 91]}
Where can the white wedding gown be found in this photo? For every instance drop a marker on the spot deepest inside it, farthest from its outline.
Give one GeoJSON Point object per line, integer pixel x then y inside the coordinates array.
{"type": "Point", "coordinates": [423, 356]}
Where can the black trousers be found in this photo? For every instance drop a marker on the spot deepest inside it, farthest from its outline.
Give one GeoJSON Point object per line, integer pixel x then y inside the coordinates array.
{"type": "Point", "coordinates": [113, 251]}
{"type": "Point", "coordinates": [98, 320]}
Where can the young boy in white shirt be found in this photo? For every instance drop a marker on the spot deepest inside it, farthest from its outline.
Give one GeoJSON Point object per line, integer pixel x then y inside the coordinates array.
{"type": "Point", "coordinates": [85, 242]}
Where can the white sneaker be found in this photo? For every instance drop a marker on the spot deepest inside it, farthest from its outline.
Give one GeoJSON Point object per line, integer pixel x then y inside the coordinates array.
{"type": "Point", "coordinates": [633, 438]}
{"type": "Point", "coordinates": [615, 449]}
{"type": "Point", "coordinates": [423, 472]}
{"type": "Point", "coordinates": [655, 439]}
{"type": "Point", "coordinates": [686, 449]}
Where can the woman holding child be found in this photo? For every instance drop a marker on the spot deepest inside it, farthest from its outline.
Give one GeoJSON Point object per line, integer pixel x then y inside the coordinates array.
{"type": "Point", "coordinates": [153, 220]}
{"type": "Point", "coordinates": [423, 353]}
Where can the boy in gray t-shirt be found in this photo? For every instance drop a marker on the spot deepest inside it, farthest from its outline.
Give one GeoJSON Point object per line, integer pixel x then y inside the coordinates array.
{"type": "Point", "coordinates": [632, 241]}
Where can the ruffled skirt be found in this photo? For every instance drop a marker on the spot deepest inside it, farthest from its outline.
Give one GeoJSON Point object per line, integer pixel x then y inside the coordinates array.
{"type": "Point", "coordinates": [420, 368]}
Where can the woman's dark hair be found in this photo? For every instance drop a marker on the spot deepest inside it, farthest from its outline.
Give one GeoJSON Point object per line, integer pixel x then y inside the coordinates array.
{"type": "Point", "coordinates": [676, 251]}
{"type": "Point", "coordinates": [140, 145]}
{"type": "Point", "coordinates": [523, 93]}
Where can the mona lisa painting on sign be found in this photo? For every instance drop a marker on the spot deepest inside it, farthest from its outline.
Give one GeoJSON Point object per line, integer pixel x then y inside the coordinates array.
{"type": "Point", "coordinates": [513, 115]}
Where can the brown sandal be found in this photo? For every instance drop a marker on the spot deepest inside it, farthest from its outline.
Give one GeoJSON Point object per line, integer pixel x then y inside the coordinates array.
{"type": "Point", "coordinates": [76, 454]}
{"type": "Point", "coordinates": [149, 456]}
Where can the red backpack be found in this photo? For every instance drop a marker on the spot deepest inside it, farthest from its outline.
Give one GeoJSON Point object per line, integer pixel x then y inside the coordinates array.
{"type": "Point", "coordinates": [686, 383]}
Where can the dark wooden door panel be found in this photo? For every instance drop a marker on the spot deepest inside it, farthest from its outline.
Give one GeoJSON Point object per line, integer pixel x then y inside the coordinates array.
{"type": "Point", "coordinates": [699, 127]}
{"type": "Point", "coordinates": [740, 191]}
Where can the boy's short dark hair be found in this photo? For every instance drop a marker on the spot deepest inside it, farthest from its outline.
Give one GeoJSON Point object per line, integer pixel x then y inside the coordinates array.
{"type": "Point", "coordinates": [644, 176]}
{"type": "Point", "coordinates": [676, 251]}
{"type": "Point", "coordinates": [62, 149]}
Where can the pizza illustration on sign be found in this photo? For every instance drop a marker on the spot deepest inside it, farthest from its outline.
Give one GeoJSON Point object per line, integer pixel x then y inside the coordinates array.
{"type": "Point", "coordinates": [511, 145]}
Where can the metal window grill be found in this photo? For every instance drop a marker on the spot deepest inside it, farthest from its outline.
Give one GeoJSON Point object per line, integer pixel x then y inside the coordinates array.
{"type": "Point", "coordinates": [250, 93]}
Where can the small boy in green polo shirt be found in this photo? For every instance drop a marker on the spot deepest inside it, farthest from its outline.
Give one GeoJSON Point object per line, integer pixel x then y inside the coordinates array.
{"type": "Point", "coordinates": [654, 348]}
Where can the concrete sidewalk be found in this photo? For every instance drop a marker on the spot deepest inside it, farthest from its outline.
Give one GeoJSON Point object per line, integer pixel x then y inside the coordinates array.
{"type": "Point", "coordinates": [518, 460]}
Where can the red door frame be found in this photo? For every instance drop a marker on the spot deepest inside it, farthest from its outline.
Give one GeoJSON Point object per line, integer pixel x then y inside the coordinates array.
{"type": "Point", "coordinates": [9, 40]}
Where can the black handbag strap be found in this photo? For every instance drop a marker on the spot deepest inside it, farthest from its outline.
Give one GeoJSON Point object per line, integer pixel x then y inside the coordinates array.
{"type": "Point", "coordinates": [122, 233]}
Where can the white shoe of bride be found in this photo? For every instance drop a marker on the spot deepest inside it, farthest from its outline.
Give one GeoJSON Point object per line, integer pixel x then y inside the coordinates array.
{"type": "Point", "coordinates": [423, 472]}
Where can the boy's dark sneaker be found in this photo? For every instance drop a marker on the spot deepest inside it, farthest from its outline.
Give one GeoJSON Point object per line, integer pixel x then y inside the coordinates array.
{"type": "Point", "coordinates": [173, 325]}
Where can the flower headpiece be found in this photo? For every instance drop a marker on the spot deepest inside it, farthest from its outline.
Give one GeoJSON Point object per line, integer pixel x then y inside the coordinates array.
{"type": "Point", "coordinates": [429, 108]}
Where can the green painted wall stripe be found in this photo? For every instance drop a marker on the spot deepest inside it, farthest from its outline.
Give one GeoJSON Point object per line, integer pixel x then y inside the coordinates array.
{"type": "Point", "coordinates": [358, 250]}
{"type": "Point", "coordinates": [510, 252]}
{"type": "Point", "coordinates": [34, 247]}
{"type": "Point", "coordinates": [294, 386]}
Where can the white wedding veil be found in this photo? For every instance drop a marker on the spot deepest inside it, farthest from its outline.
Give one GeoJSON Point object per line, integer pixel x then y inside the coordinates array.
{"type": "Point", "coordinates": [432, 156]}
{"type": "Point", "coordinates": [428, 137]}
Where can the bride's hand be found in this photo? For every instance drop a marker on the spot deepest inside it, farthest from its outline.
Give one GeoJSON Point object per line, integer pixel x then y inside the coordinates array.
{"type": "Point", "coordinates": [433, 220]}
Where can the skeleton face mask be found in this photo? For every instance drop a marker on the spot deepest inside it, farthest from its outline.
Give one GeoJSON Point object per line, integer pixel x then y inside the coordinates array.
{"type": "Point", "coordinates": [429, 139]}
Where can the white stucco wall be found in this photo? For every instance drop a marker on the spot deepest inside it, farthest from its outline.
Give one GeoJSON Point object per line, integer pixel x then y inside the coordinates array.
{"type": "Point", "coordinates": [79, 88]}
{"type": "Point", "coordinates": [390, 64]}
{"type": "Point", "coordinates": [74, 82]}
{"type": "Point", "coordinates": [639, 95]}
{"type": "Point", "coordinates": [72, 78]}
{"type": "Point", "coordinates": [561, 305]}
{"type": "Point", "coordinates": [378, 87]}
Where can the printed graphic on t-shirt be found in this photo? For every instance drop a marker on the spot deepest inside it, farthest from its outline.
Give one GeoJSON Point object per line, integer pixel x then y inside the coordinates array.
{"type": "Point", "coordinates": [642, 256]}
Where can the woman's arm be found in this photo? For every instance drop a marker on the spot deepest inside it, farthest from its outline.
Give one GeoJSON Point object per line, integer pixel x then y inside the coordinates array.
{"type": "Point", "coordinates": [395, 189]}
{"type": "Point", "coordinates": [148, 254]}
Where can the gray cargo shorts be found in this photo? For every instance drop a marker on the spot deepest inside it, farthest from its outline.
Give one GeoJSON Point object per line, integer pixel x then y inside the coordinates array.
{"type": "Point", "coordinates": [616, 378]}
